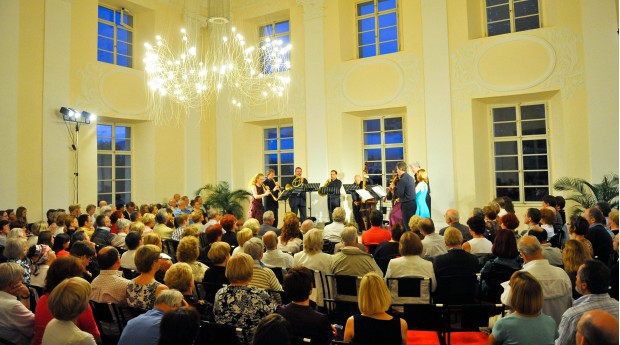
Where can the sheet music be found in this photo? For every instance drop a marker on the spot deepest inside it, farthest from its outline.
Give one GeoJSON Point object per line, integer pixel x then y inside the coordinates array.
{"type": "Point", "coordinates": [364, 194]}
{"type": "Point", "coordinates": [379, 191]}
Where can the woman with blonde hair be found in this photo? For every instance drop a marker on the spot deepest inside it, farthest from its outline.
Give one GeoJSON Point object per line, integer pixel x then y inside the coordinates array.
{"type": "Point", "coordinates": [527, 325]}
{"type": "Point", "coordinates": [574, 254]}
{"type": "Point", "coordinates": [188, 251]}
{"type": "Point", "coordinates": [289, 240]}
{"type": "Point", "coordinates": [374, 325]}
{"type": "Point", "coordinates": [142, 290]}
{"type": "Point", "coordinates": [259, 191]}
{"type": "Point", "coordinates": [243, 236]}
{"type": "Point", "coordinates": [421, 190]}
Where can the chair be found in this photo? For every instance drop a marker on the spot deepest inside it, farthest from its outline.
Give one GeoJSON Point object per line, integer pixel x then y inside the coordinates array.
{"type": "Point", "coordinates": [110, 314]}
{"type": "Point", "coordinates": [328, 246]}
{"type": "Point", "coordinates": [206, 291]}
{"type": "Point", "coordinates": [469, 318]}
{"type": "Point", "coordinates": [384, 262]}
{"type": "Point", "coordinates": [372, 248]}
{"type": "Point", "coordinates": [35, 293]}
{"type": "Point", "coordinates": [128, 273]}
{"type": "Point", "coordinates": [215, 333]}
{"type": "Point", "coordinates": [426, 317]}
{"type": "Point", "coordinates": [170, 246]}
{"type": "Point", "coordinates": [492, 279]}
{"type": "Point", "coordinates": [318, 293]}
{"type": "Point", "coordinates": [342, 303]}
{"type": "Point", "coordinates": [459, 289]}
{"type": "Point", "coordinates": [483, 258]}
{"type": "Point", "coordinates": [409, 290]}
{"type": "Point", "coordinates": [279, 272]}
{"type": "Point", "coordinates": [285, 298]}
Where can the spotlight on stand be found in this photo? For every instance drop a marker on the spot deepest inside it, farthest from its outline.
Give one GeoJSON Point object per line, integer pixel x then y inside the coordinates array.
{"type": "Point", "coordinates": [72, 115]}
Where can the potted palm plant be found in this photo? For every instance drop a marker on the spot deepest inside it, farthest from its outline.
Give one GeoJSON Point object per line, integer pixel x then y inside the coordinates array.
{"type": "Point", "coordinates": [587, 194]}
{"type": "Point", "coordinates": [220, 196]}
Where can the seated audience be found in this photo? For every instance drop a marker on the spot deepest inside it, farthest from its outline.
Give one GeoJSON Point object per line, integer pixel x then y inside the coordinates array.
{"type": "Point", "coordinates": [374, 325]}
{"type": "Point", "coordinates": [179, 327]}
{"type": "Point", "coordinates": [243, 236]}
{"type": "Point", "coordinates": [598, 235]}
{"type": "Point", "coordinates": [179, 277]}
{"type": "Point", "coordinates": [229, 225]}
{"type": "Point", "coordinates": [597, 327]}
{"type": "Point", "coordinates": [592, 283]}
{"type": "Point", "coordinates": [547, 219]}
{"type": "Point", "coordinates": [478, 244]}
{"type": "Point", "coordinates": [350, 260]}
{"type": "Point", "coordinates": [500, 268]}
{"type": "Point", "coordinates": [109, 286]}
{"type": "Point", "coordinates": [389, 250]}
{"type": "Point", "coordinates": [35, 230]}
{"type": "Point", "coordinates": [509, 221]}
{"type": "Point", "coordinates": [15, 251]}
{"type": "Point", "coordinates": [410, 264]}
{"type": "Point", "coordinates": [61, 269]}
{"type": "Point", "coordinates": [144, 289]}
{"type": "Point", "coordinates": [433, 242]}
{"type": "Point", "coordinates": [376, 234]}
{"type": "Point", "coordinates": [252, 224]}
{"type": "Point", "coordinates": [414, 225]}
{"type": "Point", "coordinates": [577, 229]}
{"type": "Point", "coordinates": [148, 219]}
{"type": "Point", "coordinates": [66, 302]}
{"type": "Point", "coordinates": [552, 254]}
{"type": "Point", "coordinates": [41, 257]}
{"type": "Point", "coordinates": [61, 245]}
{"type": "Point", "coordinates": [274, 257]}
{"type": "Point", "coordinates": [144, 329]}
{"type": "Point", "coordinates": [133, 241]}
{"type": "Point", "coordinates": [531, 219]}
{"type": "Point", "coordinates": [122, 228]}
{"type": "Point", "coordinates": [188, 251]}
{"type": "Point", "coordinates": [86, 253]}
{"type": "Point", "coordinates": [306, 226]}
{"type": "Point", "coordinates": [238, 304]}
{"type": "Point", "coordinates": [312, 257]}
{"type": "Point", "coordinates": [180, 222]}
{"type": "Point", "coordinates": [527, 325]}
{"type": "Point", "coordinates": [45, 237]}
{"type": "Point", "coordinates": [306, 322]}
{"type": "Point", "coordinates": [452, 218]}
{"type": "Point", "coordinates": [268, 220]}
{"type": "Point", "coordinates": [262, 277]}
{"type": "Point", "coordinates": [16, 319]}
{"type": "Point", "coordinates": [102, 235]}
{"type": "Point", "coordinates": [219, 254]}
{"type": "Point", "coordinates": [273, 329]}
{"type": "Point", "coordinates": [332, 231]}
{"type": "Point", "coordinates": [161, 228]}
{"type": "Point", "coordinates": [290, 238]}
{"type": "Point", "coordinates": [490, 220]}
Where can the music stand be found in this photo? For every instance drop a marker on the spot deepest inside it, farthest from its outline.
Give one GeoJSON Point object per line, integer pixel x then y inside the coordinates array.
{"type": "Point", "coordinates": [329, 190]}
{"type": "Point", "coordinates": [284, 195]}
{"type": "Point", "coordinates": [311, 187]}
{"type": "Point", "coordinates": [350, 188]}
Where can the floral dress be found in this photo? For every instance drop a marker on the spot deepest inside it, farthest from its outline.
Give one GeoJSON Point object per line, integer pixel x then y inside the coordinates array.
{"type": "Point", "coordinates": [141, 295]}
{"type": "Point", "coordinates": [256, 206]}
{"type": "Point", "coordinates": [243, 307]}
{"type": "Point", "coordinates": [25, 264]}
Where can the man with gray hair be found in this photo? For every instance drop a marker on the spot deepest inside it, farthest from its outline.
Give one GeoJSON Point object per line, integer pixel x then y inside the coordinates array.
{"type": "Point", "coordinates": [274, 257]}
{"type": "Point", "coordinates": [213, 217]}
{"type": "Point", "coordinates": [267, 225]}
{"type": "Point", "coordinates": [307, 225]}
{"type": "Point", "coordinates": [16, 320]}
{"type": "Point", "coordinates": [556, 284]}
{"type": "Point", "coordinates": [144, 329]}
{"type": "Point", "coordinates": [597, 327]}
{"type": "Point", "coordinates": [262, 277]}
{"type": "Point", "coordinates": [332, 231]}
{"type": "Point", "coordinates": [452, 219]}
{"type": "Point", "coordinates": [161, 228]}
{"type": "Point", "coordinates": [351, 260]}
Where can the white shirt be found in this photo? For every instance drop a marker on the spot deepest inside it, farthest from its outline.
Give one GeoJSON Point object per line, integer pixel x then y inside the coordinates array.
{"type": "Point", "coordinates": [333, 231]}
{"type": "Point", "coordinates": [292, 246]}
{"type": "Point", "coordinates": [549, 229]}
{"type": "Point", "coordinates": [480, 246]}
{"type": "Point", "coordinates": [109, 287]}
{"type": "Point", "coordinates": [16, 321]}
{"type": "Point", "coordinates": [434, 245]}
{"type": "Point", "coordinates": [127, 260]}
{"type": "Point", "coordinates": [319, 261]}
{"type": "Point", "coordinates": [276, 258]}
{"type": "Point", "coordinates": [411, 265]}
{"type": "Point", "coordinates": [39, 279]}
{"type": "Point", "coordinates": [65, 333]}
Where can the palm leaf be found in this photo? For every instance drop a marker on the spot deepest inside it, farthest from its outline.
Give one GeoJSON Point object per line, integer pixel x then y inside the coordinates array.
{"type": "Point", "coordinates": [571, 184]}
{"type": "Point", "coordinates": [586, 194]}
{"type": "Point", "coordinates": [220, 196]}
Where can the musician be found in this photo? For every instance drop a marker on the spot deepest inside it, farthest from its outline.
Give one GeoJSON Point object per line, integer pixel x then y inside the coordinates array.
{"type": "Point", "coordinates": [415, 167]}
{"type": "Point", "coordinates": [271, 204]}
{"type": "Point", "coordinates": [357, 204]}
{"type": "Point", "coordinates": [298, 202]}
{"type": "Point", "coordinates": [259, 191]}
{"type": "Point", "coordinates": [333, 200]}
{"type": "Point", "coordinates": [405, 190]}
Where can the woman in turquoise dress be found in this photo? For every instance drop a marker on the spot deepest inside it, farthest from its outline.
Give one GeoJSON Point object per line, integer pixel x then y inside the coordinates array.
{"type": "Point", "coordinates": [421, 190]}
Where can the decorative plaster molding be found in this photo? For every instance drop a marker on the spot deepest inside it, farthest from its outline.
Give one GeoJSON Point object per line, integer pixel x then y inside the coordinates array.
{"type": "Point", "coordinates": [313, 9]}
{"type": "Point", "coordinates": [371, 62]}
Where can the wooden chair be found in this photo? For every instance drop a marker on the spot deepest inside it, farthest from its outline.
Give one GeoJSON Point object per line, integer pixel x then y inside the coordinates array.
{"type": "Point", "coordinates": [215, 333]}
{"type": "Point", "coordinates": [206, 291]}
{"type": "Point", "coordinates": [342, 303]}
{"type": "Point", "coordinates": [409, 290]}
{"type": "Point", "coordinates": [469, 318]}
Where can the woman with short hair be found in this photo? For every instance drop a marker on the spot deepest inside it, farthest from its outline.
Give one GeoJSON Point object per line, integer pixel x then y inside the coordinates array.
{"type": "Point", "coordinates": [574, 254]}
{"type": "Point", "coordinates": [16, 319]}
{"type": "Point", "coordinates": [142, 290]}
{"type": "Point", "coordinates": [578, 228]}
{"type": "Point", "coordinates": [243, 236]}
{"type": "Point", "coordinates": [374, 325]}
{"type": "Point", "coordinates": [527, 325]}
{"type": "Point", "coordinates": [188, 251]}
{"type": "Point", "coordinates": [219, 254]}
{"type": "Point", "coordinates": [411, 263]}
{"type": "Point", "coordinates": [501, 267]}
{"type": "Point", "coordinates": [15, 251]}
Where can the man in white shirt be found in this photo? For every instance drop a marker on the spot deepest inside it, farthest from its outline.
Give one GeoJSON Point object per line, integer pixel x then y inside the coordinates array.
{"type": "Point", "coordinates": [274, 257]}
{"type": "Point", "coordinates": [433, 243]}
{"type": "Point", "coordinates": [333, 231]}
{"type": "Point", "coordinates": [133, 240]}
{"type": "Point", "coordinates": [552, 254]}
{"type": "Point", "coordinates": [556, 284]}
{"type": "Point", "coordinates": [109, 286]}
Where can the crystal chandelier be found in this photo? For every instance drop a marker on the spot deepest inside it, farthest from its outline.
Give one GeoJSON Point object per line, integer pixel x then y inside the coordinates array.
{"type": "Point", "coordinates": [226, 67]}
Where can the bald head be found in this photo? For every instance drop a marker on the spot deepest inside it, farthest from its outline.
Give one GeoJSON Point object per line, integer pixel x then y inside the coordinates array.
{"type": "Point", "coordinates": [452, 216]}
{"type": "Point", "coordinates": [306, 226]}
{"type": "Point", "coordinates": [530, 247]}
{"type": "Point", "coordinates": [103, 203]}
{"type": "Point", "coordinates": [597, 327]}
{"type": "Point", "coordinates": [271, 240]}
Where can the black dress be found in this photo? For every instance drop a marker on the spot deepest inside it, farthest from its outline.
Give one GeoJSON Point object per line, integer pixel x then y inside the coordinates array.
{"type": "Point", "coordinates": [372, 331]}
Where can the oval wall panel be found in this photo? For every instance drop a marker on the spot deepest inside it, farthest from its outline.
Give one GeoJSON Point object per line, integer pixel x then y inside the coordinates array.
{"type": "Point", "coordinates": [116, 85]}
{"type": "Point", "coordinates": [374, 82]}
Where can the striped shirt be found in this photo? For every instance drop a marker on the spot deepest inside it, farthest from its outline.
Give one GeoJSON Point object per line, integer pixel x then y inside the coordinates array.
{"type": "Point", "coordinates": [264, 278]}
{"type": "Point", "coordinates": [570, 318]}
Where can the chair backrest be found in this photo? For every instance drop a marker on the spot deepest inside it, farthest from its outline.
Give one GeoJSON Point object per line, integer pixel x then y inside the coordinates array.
{"type": "Point", "coordinates": [215, 333]}
{"type": "Point", "coordinates": [319, 292]}
{"type": "Point", "coordinates": [372, 248]}
{"type": "Point", "coordinates": [328, 246]}
{"type": "Point", "coordinates": [483, 258]}
{"type": "Point", "coordinates": [170, 247]}
{"type": "Point", "coordinates": [109, 313]}
{"type": "Point", "coordinates": [460, 289]}
{"type": "Point", "coordinates": [128, 273]}
{"type": "Point", "coordinates": [491, 282]}
{"type": "Point", "coordinates": [343, 287]}
{"type": "Point", "coordinates": [279, 272]}
{"type": "Point", "coordinates": [281, 297]}
{"type": "Point", "coordinates": [471, 316]}
{"type": "Point", "coordinates": [425, 317]}
{"type": "Point", "coordinates": [410, 289]}
{"type": "Point", "coordinates": [383, 263]}
{"type": "Point", "coordinates": [206, 291]}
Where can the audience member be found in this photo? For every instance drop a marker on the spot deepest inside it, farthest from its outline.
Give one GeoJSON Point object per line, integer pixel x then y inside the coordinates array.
{"type": "Point", "coordinates": [289, 240]}
{"type": "Point", "coordinates": [306, 226]}
{"type": "Point", "coordinates": [410, 263]}
{"type": "Point", "coordinates": [552, 254]}
{"type": "Point", "coordinates": [597, 234]}
{"type": "Point", "coordinates": [16, 319]}
{"type": "Point", "coordinates": [333, 231]}
{"type": "Point", "coordinates": [414, 225]}
{"type": "Point", "coordinates": [274, 257]}
{"type": "Point", "coordinates": [133, 241]}
{"type": "Point", "coordinates": [219, 254]}
{"type": "Point", "coordinates": [188, 252]}
{"type": "Point", "coordinates": [122, 228]}
{"type": "Point", "coordinates": [268, 219]}
{"type": "Point", "coordinates": [85, 252]}
{"type": "Point", "coordinates": [109, 286]}
{"type": "Point", "coordinates": [510, 222]}
{"type": "Point", "coordinates": [375, 234]}
{"type": "Point", "coordinates": [478, 244]}
{"type": "Point", "coordinates": [253, 224]}
{"type": "Point", "coordinates": [389, 250]}
{"type": "Point", "coordinates": [144, 289]}
{"type": "Point", "coordinates": [547, 219]}
{"type": "Point", "coordinates": [243, 236]}
{"type": "Point", "coordinates": [61, 245]}
{"type": "Point", "coordinates": [531, 219]}
{"type": "Point", "coordinates": [15, 251]}
{"type": "Point", "coordinates": [179, 277]}
{"type": "Point", "coordinates": [350, 260]}
{"type": "Point", "coordinates": [160, 228]}
{"type": "Point", "coordinates": [41, 257]}
{"type": "Point", "coordinates": [45, 237]}
{"type": "Point", "coordinates": [179, 327]}
{"type": "Point", "coordinates": [578, 228]}
{"type": "Point", "coordinates": [433, 242]}
{"type": "Point", "coordinates": [613, 222]}
{"type": "Point", "coordinates": [501, 267]}
{"type": "Point", "coordinates": [262, 277]}
{"type": "Point", "coordinates": [597, 327]}
{"type": "Point", "coordinates": [273, 329]}
{"type": "Point", "coordinates": [229, 225]}
{"type": "Point", "coordinates": [35, 229]}
{"type": "Point", "coordinates": [452, 218]}
{"type": "Point", "coordinates": [102, 235]}
{"type": "Point", "coordinates": [148, 220]}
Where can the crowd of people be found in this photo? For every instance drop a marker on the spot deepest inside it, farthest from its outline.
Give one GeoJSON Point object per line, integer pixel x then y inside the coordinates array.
{"type": "Point", "coordinates": [558, 276]}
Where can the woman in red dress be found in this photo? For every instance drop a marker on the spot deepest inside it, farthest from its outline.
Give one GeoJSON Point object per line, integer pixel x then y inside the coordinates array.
{"type": "Point", "coordinates": [259, 191]}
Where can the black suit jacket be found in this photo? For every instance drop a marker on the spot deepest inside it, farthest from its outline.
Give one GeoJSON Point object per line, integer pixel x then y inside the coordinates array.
{"type": "Point", "coordinates": [269, 202]}
{"type": "Point", "coordinates": [335, 183]}
{"type": "Point", "coordinates": [456, 277]}
{"type": "Point", "coordinates": [602, 243]}
{"type": "Point", "coordinates": [307, 323]}
{"type": "Point", "coordinates": [405, 190]}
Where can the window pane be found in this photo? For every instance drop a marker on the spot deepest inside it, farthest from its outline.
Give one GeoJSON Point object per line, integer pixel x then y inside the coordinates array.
{"type": "Point", "coordinates": [271, 158]}
{"type": "Point", "coordinates": [287, 170]}
{"type": "Point", "coordinates": [105, 43]}
{"type": "Point", "coordinates": [533, 127]}
{"type": "Point", "coordinates": [274, 167]}
{"type": "Point", "coordinates": [535, 193]}
{"type": "Point", "coordinates": [128, 20]}
{"type": "Point", "coordinates": [106, 197]}
{"type": "Point", "coordinates": [104, 173]}
{"type": "Point", "coordinates": [105, 56]}
{"type": "Point", "coordinates": [535, 163]}
{"type": "Point", "coordinates": [123, 173]}
{"type": "Point", "coordinates": [122, 198]}
{"type": "Point", "coordinates": [497, 13]}
{"type": "Point", "coordinates": [266, 30]}
{"type": "Point", "coordinates": [287, 158]}
{"type": "Point", "coordinates": [271, 145]}
{"type": "Point", "coordinates": [286, 39]}
{"type": "Point", "coordinates": [105, 30]}
{"type": "Point", "coordinates": [386, 20]}
{"type": "Point", "coordinates": [527, 23]}
{"type": "Point", "coordinates": [512, 193]}
{"type": "Point", "coordinates": [271, 133]}
{"type": "Point", "coordinates": [124, 48]}
{"type": "Point", "coordinates": [388, 47]}
{"type": "Point", "coordinates": [391, 166]}
{"type": "Point", "coordinates": [535, 178]}
{"type": "Point", "coordinates": [123, 145]}
{"type": "Point", "coordinates": [366, 24]}
{"type": "Point", "coordinates": [366, 38]}
{"type": "Point", "coordinates": [367, 51]}
{"type": "Point", "coordinates": [286, 144]}
{"type": "Point", "coordinates": [282, 27]}
{"type": "Point", "coordinates": [506, 163]}
{"type": "Point", "coordinates": [376, 179]}
{"type": "Point", "coordinates": [508, 129]}
{"type": "Point", "coordinates": [106, 14]}
{"type": "Point", "coordinates": [123, 160]}
{"type": "Point", "coordinates": [524, 8]}
{"type": "Point", "coordinates": [124, 35]}
{"type": "Point", "coordinates": [384, 5]}
{"type": "Point", "coordinates": [104, 160]}
{"type": "Point", "coordinates": [496, 2]}
{"type": "Point", "coordinates": [388, 34]}
{"type": "Point", "coordinates": [372, 155]}
{"type": "Point", "coordinates": [104, 187]}
{"type": "Point", "coordinates": [372, 139]}
{"type": "Point", "coordinates": [123, 186]}
{"type": "Point", "coordinates": [393, 123]}
{"type": "Point", "coordinates": [395, 137]}
{"type": "Point", "coordinates": [372, 125]}
{"type": "Point", "coordinates": [534, 146]}
{"type": "Point", "coordinates": [498, 28]}
{"type": "Point", "coordinates": [365, 8]}
{"type": "Point", "coordinates": [104, 144]}
{"type": "Point", "coordinates": [286, 132]}
{"type": "Point", "coordinates": [124, 61]}
{"type": "Point", "coordinates": [533, 112]}
{"type": "Point", "coordinates": [123, 132]}
{"type": "Point", "coordinates": [374, 168]}
{"type": "Point", "coordinates": [506, 148]}
{"type": "Point", "coordinates": [104, 131]}
{"type": "Point", "coordinates": [507, 179]}
{"type": "Point", "coordinates": [504, 114]}
{"type": "Point", "coordinates": [394, 153]}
